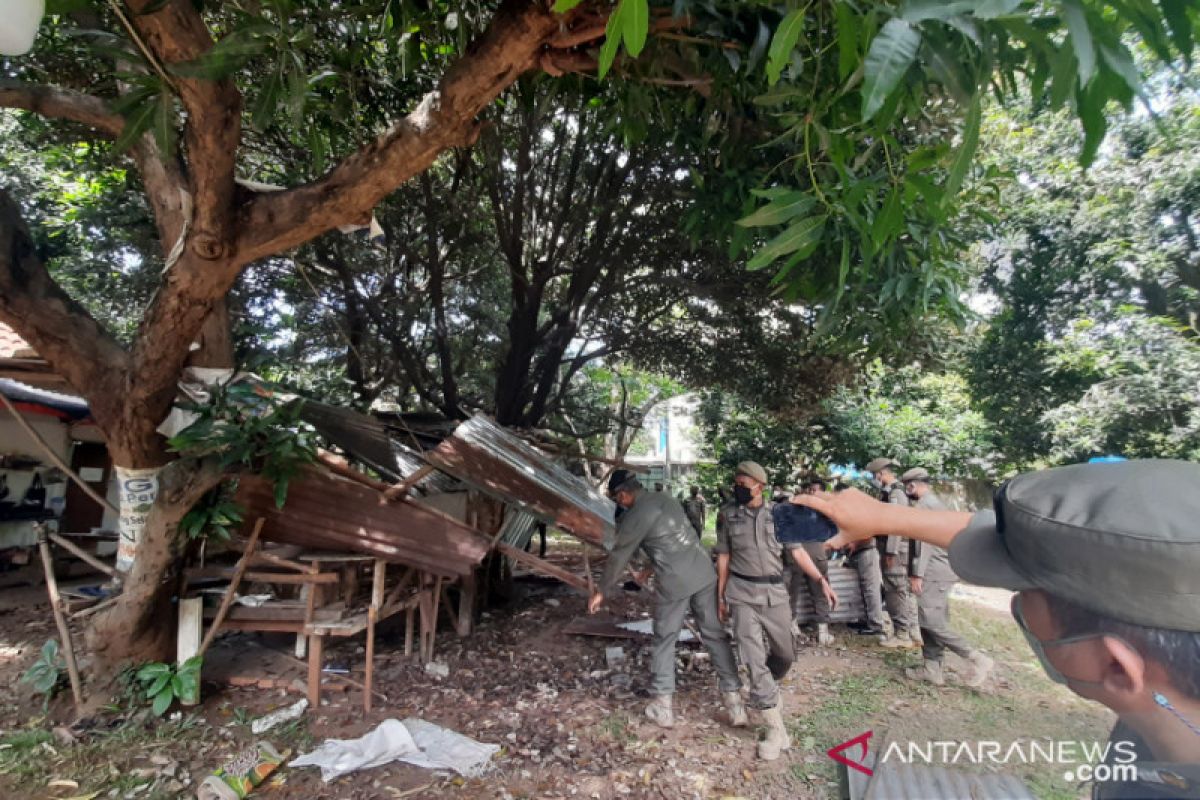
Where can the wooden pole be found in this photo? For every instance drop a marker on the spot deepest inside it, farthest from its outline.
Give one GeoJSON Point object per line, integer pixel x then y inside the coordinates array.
{"type": "Point", "coordinates": [87, 558]}
{"type": "Point", "coordinates": [378, 581]}
{"type": "Point", "coordinates": [227, 600]}
{"type": "Point", "coordinates": [53, 456]}
{"type": "Point", "coordinates": [64, 633]}
{"type": "Point", "coordinates": [543, 566]}
{"type": "Point", "coordinates": [587, 568]}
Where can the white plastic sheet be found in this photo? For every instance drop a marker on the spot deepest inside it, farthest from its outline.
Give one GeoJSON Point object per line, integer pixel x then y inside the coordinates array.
{"type": "Point", "coordinates": [413, 741]}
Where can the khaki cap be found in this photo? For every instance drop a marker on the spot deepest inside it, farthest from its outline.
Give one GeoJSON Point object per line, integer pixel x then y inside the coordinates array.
{"type": "Point", "coordinates": [915, 474]}
{"type": "Point", "coordinates": [1118, 539]}
{"type": "Point", "coordinates": [875, 465]}
{"type": "Point", "coordinates": [752, 469]}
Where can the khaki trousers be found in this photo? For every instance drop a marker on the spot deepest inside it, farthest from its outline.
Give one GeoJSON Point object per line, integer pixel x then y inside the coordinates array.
{"type": "Point", "coordinates": [933, 612]}
{"type": "Point", "coordinates": [764, 640]}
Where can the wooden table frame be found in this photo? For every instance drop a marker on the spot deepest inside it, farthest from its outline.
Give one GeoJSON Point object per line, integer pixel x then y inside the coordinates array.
{"type": "Point", "coordinates": [328, 585]}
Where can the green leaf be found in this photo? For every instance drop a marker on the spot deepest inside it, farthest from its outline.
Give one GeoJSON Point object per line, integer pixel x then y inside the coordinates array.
{"type": "Point", "coordinates": [1062, 77]}
{"type": "Point", "coordinates": [888, 221]}
{"type": "Point", "coordinates": [783, 43]}
{"type": "Point", "coordinates": [612, 41]}
{"type": "Point", "coordinates": [847, 39]}
{"type": "Point", "coordinates": [990, 9]}
{"type": "Point", "coordinates": [136, 123]}
{"type": "Point", "coordinates": [801, 236]}
{"type": "Point", "coordinates": [263, 112]}
{"type": "Point", "coordinates": [152, 670]}
{"type": "Point", "coordinates": [563, 6]}
{"type": "Point", "coordinates": [159, 684]}
{"type": "Point", "coordinates": [1179, 24]}
{"type": "Point", "coordinates": [759, 48]}
{"type": "Point", "coordinates": [843, 268]}
{"type": "Point", "coordinates": [162, 701]}
{"type": "Point", "coordinates": [1120, 61]}
{"type": "Point", "coordinates": [948, 70]}
{"type": "Point", "coordinates": [966, 150]}
{"type": "Point", "coordinates": [779, 210]}
{"type": "Point", "coordinates": [164, 124]}
{"type": "Point", "coordinates": [636, 25]}
{"type": "Point", "coordinates": [281, 490]}
{"type": "Point", "coordinates": [1081, 39]}
{"type": "Point", "coordinates": [920, 10]}
{"type": "Point", "coordinates": [1095, 124]}
{"type": "Point", "coordinates": [227, 56]}
{"type": "Point", "coordinates": [892, 52]}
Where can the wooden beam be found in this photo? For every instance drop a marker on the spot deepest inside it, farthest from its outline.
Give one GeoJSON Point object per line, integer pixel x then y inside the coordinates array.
{"type": "Point", "coordinates": [400, 489]}
{"type": "Point", "coordinates": [227, 600]}
{"type": "Point", "coordinates": [87, 558]}
{"type": "Point", "coordinates": [265, 577]}
{"type": "Point", "coordinates": [543, 566]}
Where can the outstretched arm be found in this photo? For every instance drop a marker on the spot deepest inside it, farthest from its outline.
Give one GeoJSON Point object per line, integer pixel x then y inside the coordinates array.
{"type": "Point", "coordinates": [859, 516]}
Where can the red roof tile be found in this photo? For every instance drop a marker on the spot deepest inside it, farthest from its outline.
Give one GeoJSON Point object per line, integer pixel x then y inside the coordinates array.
{"type": "Point", "coordinates": [13, 346]}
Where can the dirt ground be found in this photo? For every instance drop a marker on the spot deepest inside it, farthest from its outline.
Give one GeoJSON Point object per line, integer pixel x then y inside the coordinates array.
{"type": "Point", "coordinates": [569, 724]}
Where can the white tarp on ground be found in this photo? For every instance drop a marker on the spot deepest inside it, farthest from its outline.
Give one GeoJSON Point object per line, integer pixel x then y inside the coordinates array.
{"type": "Point", "coordinates": [413, 741]}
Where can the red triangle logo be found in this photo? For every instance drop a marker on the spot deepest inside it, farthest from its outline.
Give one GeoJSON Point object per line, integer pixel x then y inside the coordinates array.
{"type": "Point", "coordinates": [836, 753]}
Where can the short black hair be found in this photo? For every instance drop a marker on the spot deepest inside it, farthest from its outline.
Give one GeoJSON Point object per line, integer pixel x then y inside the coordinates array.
{"type": "Point", "coordinates": [1177, 651]}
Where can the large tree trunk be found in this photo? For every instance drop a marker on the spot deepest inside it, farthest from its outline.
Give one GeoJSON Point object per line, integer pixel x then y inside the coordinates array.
{"type": "Point", "coordinates": [139, 626]}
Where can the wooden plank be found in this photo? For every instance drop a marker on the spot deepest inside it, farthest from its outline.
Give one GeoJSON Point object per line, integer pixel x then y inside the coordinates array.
{"type": "Point", "coordinates": [202, 573]}
{"type": "Point", "coordinates": [191, 628]}
{"type": "Point", "coordinates": [265, 625]}
{"type": "Point", "coordinates": [543, 566]}
{"type": "Point", "coordinates": [398, 491]}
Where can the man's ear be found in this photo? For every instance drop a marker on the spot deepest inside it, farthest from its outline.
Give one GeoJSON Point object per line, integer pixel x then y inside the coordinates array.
{"type": "Point", "coordinates": [1124, 667]}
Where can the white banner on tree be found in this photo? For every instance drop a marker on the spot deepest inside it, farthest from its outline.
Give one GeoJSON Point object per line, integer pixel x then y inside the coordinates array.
{"type": "Point", "coordinates": [139, 490]}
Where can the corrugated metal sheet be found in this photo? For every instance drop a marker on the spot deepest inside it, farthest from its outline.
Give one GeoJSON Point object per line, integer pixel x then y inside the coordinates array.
{"type": "Point", "coordinates": [493, 460]}
{"type": "Point", "coordinates": [848, 588]}
{"type": "Point", "coordinates": [894, 781]}
{"type": "Point", "coordinates": [518, 528]}
{"type": "Point", "coordinates": [331, 513]}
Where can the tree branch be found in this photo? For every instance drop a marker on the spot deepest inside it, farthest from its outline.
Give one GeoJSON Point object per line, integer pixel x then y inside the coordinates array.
{"type": "Point", "coordinates": [445, 118]}
{"type": "Point", "coordinates": [60, 329]}
{"type": "Point", "coordinates": [49, 101]}
{"type": "Point", "coordinates": [177, 33]}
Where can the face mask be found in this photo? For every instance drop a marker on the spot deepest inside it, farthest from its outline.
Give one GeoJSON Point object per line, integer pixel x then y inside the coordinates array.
{"type": "Point", "coordinates": [878, 484]}
{"type": "Point", "coordinates": [742, 494]}
{"type": "Point", "coordinates": [1039, 648]}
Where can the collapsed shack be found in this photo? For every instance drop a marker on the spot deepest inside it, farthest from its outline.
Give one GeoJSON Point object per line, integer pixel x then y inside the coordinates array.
{"type": "Point", "coordinates": [348, 550]}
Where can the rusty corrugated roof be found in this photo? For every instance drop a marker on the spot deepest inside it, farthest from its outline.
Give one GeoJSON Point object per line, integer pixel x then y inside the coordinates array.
{"type": "Point", "coordinates": [370, 440]}
{"type": "Point", "coordinates": [327, 512]}
{"type": "Point", "coordinates": [491, 459]}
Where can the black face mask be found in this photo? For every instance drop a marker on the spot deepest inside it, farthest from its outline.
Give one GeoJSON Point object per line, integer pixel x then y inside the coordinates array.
{"type": "Point", "coordinates": [619, 512]}
{"type": "Point", "coordinates": [742, 495]}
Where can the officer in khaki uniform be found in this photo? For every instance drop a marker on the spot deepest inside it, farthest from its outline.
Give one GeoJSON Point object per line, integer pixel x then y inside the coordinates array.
{"type": "Point", "coordinates": [696, 507]}
{"type": "Point", "coordinates": [750, 585]}
{"type": "Point", "coordinates": [931, 579]}
{"type": "Point", "coordinates": [896, 594]}
{"type": "Point", "coordinates": [654, 522]}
